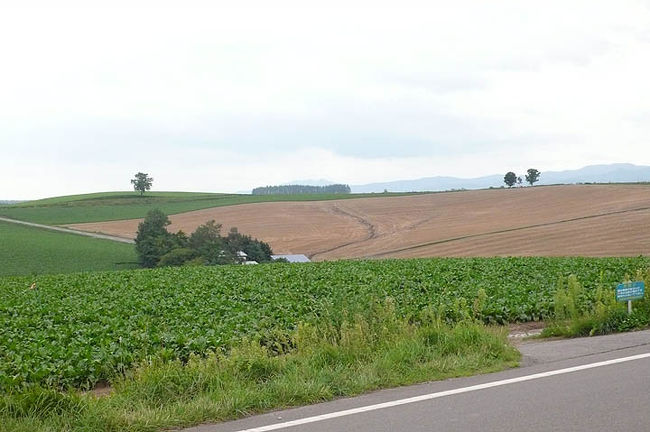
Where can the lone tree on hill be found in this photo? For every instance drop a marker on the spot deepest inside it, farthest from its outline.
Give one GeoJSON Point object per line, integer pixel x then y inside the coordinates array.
{"type": "Point", "coordinates": [510, 179]}
{"type": "Point", "coordinates": [142, 182]}
{"type": "Point", "coordinates": [532, 176]}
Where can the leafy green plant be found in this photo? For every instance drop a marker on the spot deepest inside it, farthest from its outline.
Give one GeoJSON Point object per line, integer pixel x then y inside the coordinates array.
{"type": "Point", "coordinates": [367, 351]}
{"type": "Point", "coordinates": [79, 329]}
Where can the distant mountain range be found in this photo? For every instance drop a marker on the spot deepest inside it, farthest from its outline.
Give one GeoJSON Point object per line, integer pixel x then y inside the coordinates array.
{"type": "Point", "coordinates": [612, 173]}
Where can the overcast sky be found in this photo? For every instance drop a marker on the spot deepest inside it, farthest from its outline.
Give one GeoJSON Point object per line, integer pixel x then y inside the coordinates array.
{"type": "Point", "coordinates": [215, 98]}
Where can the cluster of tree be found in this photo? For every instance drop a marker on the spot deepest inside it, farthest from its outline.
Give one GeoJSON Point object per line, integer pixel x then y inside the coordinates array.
{"type": "Point", "coordinates": [302, 189]}
{"type": "Point", "coordinates": [141, 182]}
{"type": "Point", "coordinates": [157, 247]}
{"type": "Point", "coordinates": [532, 176]}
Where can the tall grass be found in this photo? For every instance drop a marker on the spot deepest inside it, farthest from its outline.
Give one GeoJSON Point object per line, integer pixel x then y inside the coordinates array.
{"type": "Point", "coordinates": [314, 363]}
{"type": "Point", "coordinates": [578, 312]}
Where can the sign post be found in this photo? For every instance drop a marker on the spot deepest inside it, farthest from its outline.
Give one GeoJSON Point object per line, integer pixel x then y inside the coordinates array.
{"type": "Point", "coordinates": [629, 291]}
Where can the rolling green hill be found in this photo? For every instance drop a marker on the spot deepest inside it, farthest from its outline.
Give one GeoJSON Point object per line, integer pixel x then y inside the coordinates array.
{"type": "Point", "coordinates": [107, 206]}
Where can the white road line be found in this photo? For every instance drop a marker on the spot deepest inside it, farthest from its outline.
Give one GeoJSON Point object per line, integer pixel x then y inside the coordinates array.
{"type": "Point", "coordinates": [442, 394]}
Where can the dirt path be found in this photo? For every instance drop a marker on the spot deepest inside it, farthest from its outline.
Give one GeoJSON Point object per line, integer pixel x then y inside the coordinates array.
{"type": "Point", "coordinates": [70, 231]}
{"type": "Point", "coordinates": [367, 225]}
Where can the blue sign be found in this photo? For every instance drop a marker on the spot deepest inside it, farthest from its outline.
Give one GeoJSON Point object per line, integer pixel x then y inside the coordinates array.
{"type": "Point", "coordinates": [630, 291]}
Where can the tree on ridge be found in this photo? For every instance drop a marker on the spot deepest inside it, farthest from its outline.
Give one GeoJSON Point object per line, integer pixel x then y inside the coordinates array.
{"type": "Point", "coordinates": [532, 176]}
{"type": "Point", "coordinates": [142, 182]}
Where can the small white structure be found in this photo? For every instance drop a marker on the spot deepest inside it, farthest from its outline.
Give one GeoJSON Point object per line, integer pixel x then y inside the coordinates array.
{"type": "Point", "coordinates": [292, 258]}
{"type": "Point", "coordinates": [250, 262]}
{"type": "Point", "coordinates": [241, 257]}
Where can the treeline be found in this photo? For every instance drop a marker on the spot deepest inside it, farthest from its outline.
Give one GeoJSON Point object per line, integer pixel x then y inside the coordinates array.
{"type": "Point", "coordinates": [157, 247]}
{"type": "Point", "coordinates": [302, 189]}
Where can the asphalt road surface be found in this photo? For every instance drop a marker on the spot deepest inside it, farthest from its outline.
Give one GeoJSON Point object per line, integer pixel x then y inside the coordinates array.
{"type": "Point", "coordinates": [591, 384]}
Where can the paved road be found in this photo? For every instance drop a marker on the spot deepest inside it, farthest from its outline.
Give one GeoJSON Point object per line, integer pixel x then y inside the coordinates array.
{"type": "Point", "coordinates": [592, 384]}
{"type": "Point", "coordinates": [69, 231]}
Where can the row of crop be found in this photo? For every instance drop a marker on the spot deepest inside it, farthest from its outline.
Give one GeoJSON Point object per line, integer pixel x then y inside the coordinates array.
{"type": "Point", "coordinates": [81, 328]}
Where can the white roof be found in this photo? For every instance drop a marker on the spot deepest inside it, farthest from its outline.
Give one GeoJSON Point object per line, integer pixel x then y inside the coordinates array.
{"type": "Point", "coordinates": [294, 258]}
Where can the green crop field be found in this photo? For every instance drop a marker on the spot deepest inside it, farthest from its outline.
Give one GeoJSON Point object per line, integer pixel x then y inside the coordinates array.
{"type": "Point", "coordinates": [107, 206]}
{"type": "Point", "coordinates": [77, 329]}
{"type": "Point", "coordinates": [30, 251]}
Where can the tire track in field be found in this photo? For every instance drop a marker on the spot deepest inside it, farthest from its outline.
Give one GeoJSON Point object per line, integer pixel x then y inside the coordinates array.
{"type": "Point", "coordinates": [373, 235]}
{"type": "Point", "coordinates": [368, 226]}
{"type": "Point", "coordinates": [453, 239]}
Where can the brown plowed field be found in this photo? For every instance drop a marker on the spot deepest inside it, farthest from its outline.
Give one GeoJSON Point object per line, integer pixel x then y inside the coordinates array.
{"type": "Point", "coordinates": [589, 220]}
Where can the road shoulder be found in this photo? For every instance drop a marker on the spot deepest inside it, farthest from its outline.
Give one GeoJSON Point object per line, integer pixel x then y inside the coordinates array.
{"type": "Point", "coordinates": [538, 356]}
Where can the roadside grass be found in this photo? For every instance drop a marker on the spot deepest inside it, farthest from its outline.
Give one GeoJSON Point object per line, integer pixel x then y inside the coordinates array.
{"type": "Point", "coordinates": [33, 251]}
{"type": "Point", "coordinates": [106, 206]}
{"type": "Point", "coordinates": [578, 312]}
{"type": "Point", "coordinates": [316, 363]}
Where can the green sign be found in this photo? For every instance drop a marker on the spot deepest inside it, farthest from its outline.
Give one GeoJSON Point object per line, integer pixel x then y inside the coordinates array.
{"type": "Point", "coordinates": [630, 291]}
